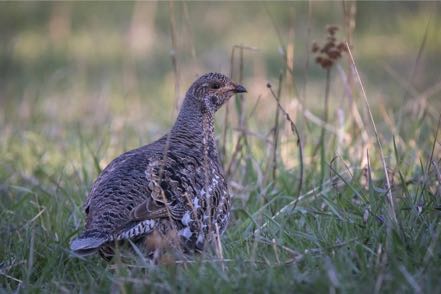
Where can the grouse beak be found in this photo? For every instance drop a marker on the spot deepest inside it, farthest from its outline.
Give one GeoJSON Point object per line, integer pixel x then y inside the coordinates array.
{"type": "Point", "coordinates": [239, 89]}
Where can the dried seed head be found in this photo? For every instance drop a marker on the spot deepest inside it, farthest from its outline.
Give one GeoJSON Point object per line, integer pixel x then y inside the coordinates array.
{"type": "Point", "coordinates": [319, 59]}
{"type": "Point", "coordinates": [327, 47]}
{"type": "Point", "coordinates": [334, 54]}
{"type": "Point", "coordinates": [315, 47]}
{"type": "Point", "coordinates": [331, 51]}
{"type": "Point", "coordinates": [327, 63]}
{"type": "Point", "coordinates": [342, 47]}
{"type": "Point", "coordinates": [331, 39]}
{"type": "Point", "coordinates": [332, 29]}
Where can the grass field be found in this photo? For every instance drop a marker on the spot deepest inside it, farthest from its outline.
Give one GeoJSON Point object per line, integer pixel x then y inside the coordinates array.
{"type": "Point", "coordinates": [352, 202]}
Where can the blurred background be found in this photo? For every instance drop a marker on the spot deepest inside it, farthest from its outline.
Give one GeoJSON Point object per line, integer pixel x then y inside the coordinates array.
{"type": "Point", "coordinates": [117, 69]}
{"type": "Point", "coordinates": [82, 82]}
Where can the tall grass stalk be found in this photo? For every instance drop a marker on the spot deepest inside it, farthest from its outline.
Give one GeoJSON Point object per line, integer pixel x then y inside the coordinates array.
{"type": "Point", "coordinates": [323, 163]}
{"type": "Point", "coordinates": [392, 213]}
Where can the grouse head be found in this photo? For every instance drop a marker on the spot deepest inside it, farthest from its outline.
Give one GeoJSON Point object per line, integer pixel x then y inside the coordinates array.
{"type": "Point", "coordinates": [212, 90]}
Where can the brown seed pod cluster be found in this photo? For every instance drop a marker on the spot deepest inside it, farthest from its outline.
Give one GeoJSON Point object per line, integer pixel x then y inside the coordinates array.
{"type": "Point", "coordinates": [331, 51]}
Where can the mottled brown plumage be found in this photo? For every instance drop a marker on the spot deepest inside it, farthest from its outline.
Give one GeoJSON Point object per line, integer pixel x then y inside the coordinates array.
{"type": "Point", "coordinates": [173, 188]}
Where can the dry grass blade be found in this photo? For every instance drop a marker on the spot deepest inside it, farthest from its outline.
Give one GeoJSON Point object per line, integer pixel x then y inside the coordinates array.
{"type": "Point", "coordinates": [332, 183]}
{"type": "Point", "coordinates": [347, 80]}
{"type": "Point", "coordinates": [350, 10]}
{"type": "Point", "coordinates": [391, 210]}
{"type": "Point", "coordinates": [410, 279]}
{"type": "Point", "coordinates": [218, 246]}
{"type": "Point", "coordinates": [435, 140]}
{"type": "Point", "coordinates": [29, 222]}
{"type": "Point", "coordinates": [430, 160]}
{"type": "Point", "coordinates": [31, 256]}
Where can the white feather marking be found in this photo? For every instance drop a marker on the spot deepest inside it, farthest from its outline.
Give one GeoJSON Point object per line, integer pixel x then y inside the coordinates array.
{"type": "Point", "coordinates": [200, 238]}
{"type": "Point", "coordinates": [186, 233]}
{"type": "Point", "coordinates": [139, 229]}
{"type": "Point", "coordinates": [196, 203]}
{"type": "Point", "coordinates": [186, 219]}
{"type": "Point", "coordinates": [87, 243]}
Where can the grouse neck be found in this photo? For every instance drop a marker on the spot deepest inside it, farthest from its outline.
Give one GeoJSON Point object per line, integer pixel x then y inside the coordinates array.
{"type": "Point", "coordinates": [195, 123]}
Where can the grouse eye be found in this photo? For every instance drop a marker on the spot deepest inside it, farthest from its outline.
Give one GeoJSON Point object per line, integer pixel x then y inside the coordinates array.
{"type": "Point", "coordinates": [215, 86]}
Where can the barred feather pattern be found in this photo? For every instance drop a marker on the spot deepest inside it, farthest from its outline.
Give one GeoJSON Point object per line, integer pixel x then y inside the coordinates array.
{"type": "Point", "coordinates": [176, 181]}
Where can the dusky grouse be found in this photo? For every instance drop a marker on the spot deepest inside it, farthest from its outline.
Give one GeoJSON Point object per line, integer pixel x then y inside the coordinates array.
{"type": "Point", "coordinates": [172, 187]}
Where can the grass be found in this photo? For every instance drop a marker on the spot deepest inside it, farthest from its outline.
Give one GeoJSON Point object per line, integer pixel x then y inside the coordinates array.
{"type": "Point", "coordinates": [340, 236]}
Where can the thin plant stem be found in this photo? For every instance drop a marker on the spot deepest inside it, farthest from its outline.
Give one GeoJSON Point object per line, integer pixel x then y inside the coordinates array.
{"type": "Point", "coordinates": [276, 129]}
{"type": "Point", "coordinates": [392, 213]}
{"type": "Point", "coordinates": [323, 132]}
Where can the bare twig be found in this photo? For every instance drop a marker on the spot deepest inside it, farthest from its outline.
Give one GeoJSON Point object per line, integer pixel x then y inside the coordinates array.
{"type": "Point", "coordinates": [299, 141]}
{"type": "Point", "coordinates": [276, 126]}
